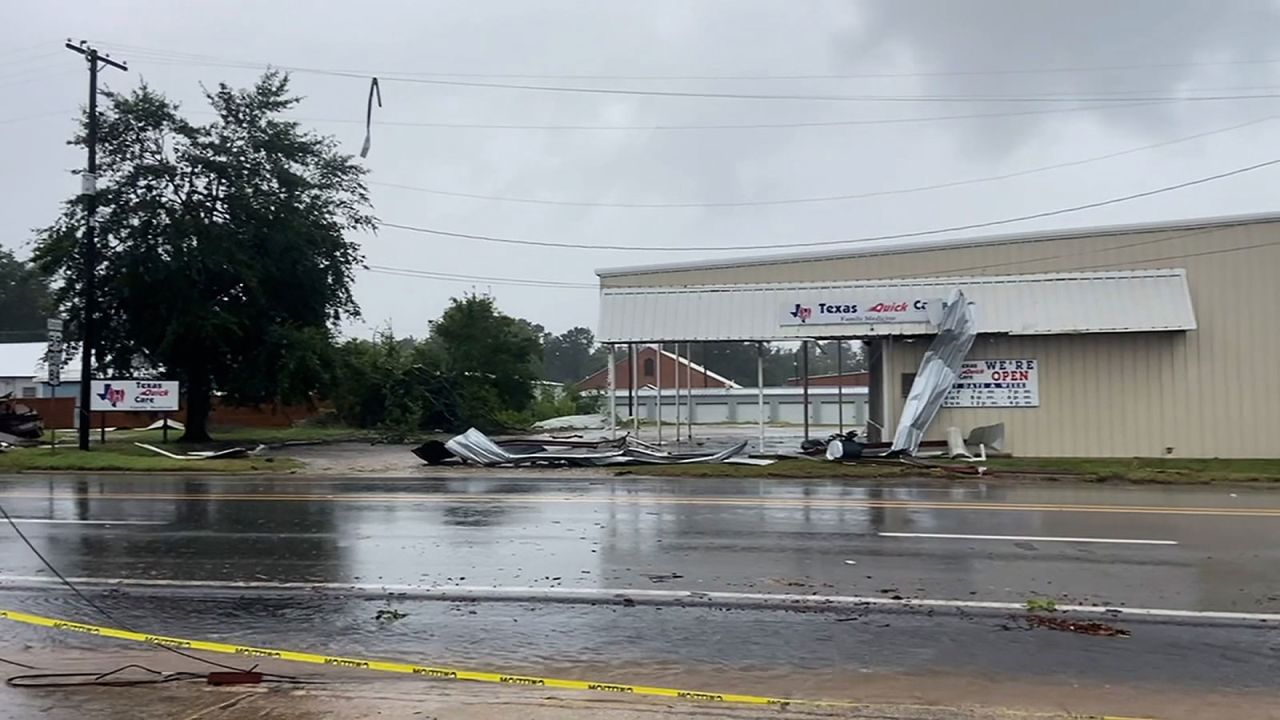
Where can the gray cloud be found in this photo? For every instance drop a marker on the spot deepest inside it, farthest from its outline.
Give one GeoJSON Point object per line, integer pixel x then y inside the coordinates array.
{"type": "Point", "coordinates": [674, 37]}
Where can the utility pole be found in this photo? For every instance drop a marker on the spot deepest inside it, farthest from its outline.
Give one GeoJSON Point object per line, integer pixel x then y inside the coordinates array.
{"type": "Point", "coordinates": [89, 188]}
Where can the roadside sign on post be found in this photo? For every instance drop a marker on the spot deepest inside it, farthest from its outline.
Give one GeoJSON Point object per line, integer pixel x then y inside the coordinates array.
{"type": "Point", "coordinates": [53, 353]}
{"type": "Point", "coordinates": [133, 395]}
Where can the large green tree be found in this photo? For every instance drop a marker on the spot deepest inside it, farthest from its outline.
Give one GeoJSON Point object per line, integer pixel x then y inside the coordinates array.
{"type": "Point", "coordinates": [492, 357]}
{"type": "Point", "coordinates": [25, 300]}
{"type": "Point", "coordinates": [223, 246]}
{"type": "Point", "coordinates": [571, 356]}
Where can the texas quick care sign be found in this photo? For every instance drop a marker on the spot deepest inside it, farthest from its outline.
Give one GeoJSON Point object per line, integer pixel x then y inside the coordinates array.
{"type": "Point", "coordinates": [853, 312]}
{"type": "Point", "coordinates": [158, 395]}
{"type": "Point", "coordinates": [996, 383]}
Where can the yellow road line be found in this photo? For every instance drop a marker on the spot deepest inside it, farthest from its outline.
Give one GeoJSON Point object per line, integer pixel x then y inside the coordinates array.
{"type": "Point", "coordinates": [445, 673]}
{"type": "Point", "coordinates": [815, 503]}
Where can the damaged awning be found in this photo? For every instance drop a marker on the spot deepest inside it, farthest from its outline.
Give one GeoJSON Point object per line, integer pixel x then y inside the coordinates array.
{"type": "Point", "coordinates": [1040, 304]}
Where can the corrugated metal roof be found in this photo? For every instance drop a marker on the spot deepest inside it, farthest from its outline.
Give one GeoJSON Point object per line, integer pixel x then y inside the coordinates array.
{"type": "Point", "coordinates": [861, 248]}
{"type": "Point", "coordinates": [22, 360]}
{"type": "Point", "coordinates": [1041, 304]}
{"type": "Point", "coordinates": [26, 360]}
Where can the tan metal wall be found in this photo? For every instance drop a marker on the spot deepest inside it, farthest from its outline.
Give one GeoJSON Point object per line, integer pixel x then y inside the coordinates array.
{"type": "Point", "coordinates": [1213, 392]}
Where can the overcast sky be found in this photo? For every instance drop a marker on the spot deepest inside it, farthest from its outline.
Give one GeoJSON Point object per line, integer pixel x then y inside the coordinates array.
{"type": "Point", "coordinates": [1088, 61]}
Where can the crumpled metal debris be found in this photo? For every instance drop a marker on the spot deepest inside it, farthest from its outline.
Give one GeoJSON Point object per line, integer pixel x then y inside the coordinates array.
{"type": "Point", "coordinates": [938, 371]}
{"type": "Point", "coordinates": [19, 419]}
{"type": "Point", "coordinates": [475, 447]}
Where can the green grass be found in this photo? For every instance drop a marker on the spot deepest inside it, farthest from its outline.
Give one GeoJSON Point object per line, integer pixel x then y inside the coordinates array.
{"type": "Point", "coordinates": [252, 435]}
{"type": "Point", "coordinates": [127, 458]}
{"type": "Point", "coordinates": [1141, 470]}
{"type": "Point", "coordinates": [225, 436]}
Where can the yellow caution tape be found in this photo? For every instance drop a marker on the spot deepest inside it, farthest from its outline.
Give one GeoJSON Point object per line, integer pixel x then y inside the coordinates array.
{"type": "Point", "coordinates": [439, 673]}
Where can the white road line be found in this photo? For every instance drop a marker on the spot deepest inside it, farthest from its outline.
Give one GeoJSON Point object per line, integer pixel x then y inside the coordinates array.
{"type": "Point", "coordinates": [55, 521]}
{"type": "Point", "coordinates": [1033, 538]}
{"type": "Point", "coordinates": [789, 601]}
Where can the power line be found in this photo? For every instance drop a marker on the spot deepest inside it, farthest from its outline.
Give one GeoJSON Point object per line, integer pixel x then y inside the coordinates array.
{"type": "Point", "coordinates": [51, 113]}
{"type": "Point", "coordinates": [829, 198]}
{"type": "Point", "coordinates": [1184, 256]}
{"type": "Point", "coordinates": [384, 77]}
{"type": "Point", "coordinates": [828, 243]}
{"type": "Point", "coordinates": [452, 277]}
{"type": "Point", "coordinates": [766, 77]}
{"type": "Point", "coordinates": [742, 126]}
{"type": "Point", "coordinates": [17, 80]}
{"type": "Point", "coordinates": [1044, 258]}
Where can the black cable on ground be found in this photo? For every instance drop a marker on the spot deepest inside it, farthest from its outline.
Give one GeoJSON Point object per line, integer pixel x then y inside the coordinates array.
{"type": "Point", "coordinates": [74, 679]}
{"type": "Point", "coordinates": [102, 611]}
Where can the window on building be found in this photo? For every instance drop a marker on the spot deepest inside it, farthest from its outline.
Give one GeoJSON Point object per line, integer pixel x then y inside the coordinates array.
{"type": "Point", "coordinates": [908, 379]}
{"type": "Point", "coordinates": [648, 367]}
{"type": "Point", "coordinates": [28, 392]}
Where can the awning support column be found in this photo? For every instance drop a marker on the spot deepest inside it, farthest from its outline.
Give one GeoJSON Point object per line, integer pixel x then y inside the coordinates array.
{"type": "Point", "coordinates": [679, 414]}
{"type": "Point", "coordinates": [886, 415]}
{"type": "Point", "coordinates": [613, 396]}
{"type": "Point", "coordinates": [635, 411]}
{"type": "Point", "coordinates": [760, 393]}
{"type": "Point", "coordinates": [657, 392]}
{"type": "Point", "coordinates": [840, 383]}
{"type": "Point", "coordinates": [804, 369]}
{"type": "Point", "coordinates": [688, 392]}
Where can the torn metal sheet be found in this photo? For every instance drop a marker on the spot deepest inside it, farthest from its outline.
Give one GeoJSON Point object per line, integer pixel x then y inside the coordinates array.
{"type": "Point", "coordinates": [938, 372]}
{"type": "Point", "coordinates": [991, 436]}
{"type": "Point", "coordinates": [19, 419]}
{"type": "Point", "coordinates": [594, 421]}
{"type": "Point", "coordinates": [203, 454]}
{"type": "Point", "coordinates": [475, 447]}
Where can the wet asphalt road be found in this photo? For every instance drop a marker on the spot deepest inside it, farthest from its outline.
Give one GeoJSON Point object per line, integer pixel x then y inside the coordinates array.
{"type": "Point", "coordinates": [1202, 549]}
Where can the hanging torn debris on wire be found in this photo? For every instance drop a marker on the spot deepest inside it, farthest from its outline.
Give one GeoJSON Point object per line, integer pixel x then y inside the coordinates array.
{"type": "Point", "coordinates": [374, 91]}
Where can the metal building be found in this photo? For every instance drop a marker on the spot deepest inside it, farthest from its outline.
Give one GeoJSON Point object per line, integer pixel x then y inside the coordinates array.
{"type": "Point", "coordinates": [1128, 341]}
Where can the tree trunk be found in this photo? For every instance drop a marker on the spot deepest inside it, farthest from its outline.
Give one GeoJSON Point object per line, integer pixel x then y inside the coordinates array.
{"type": "Point", "coordinates": [198, 407]}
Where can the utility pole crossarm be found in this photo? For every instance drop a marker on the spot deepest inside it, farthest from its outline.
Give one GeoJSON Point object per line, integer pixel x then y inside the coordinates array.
{"type": "Point", "coordinates": [91, 52]}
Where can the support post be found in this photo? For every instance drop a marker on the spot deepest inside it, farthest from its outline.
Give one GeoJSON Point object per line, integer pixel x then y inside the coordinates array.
{"type": "Point", "coordinates": [613, 396]}
{"type": "Point", "coordinates": [678, 413]}
{"type": "Point", "coordinates": [886, 370]}
{"type": "Point", "coordinates": [760, 393]}
{"type": "Point", "coordinates": [89, 188]}
{"type": "Point", "coordinates": [164, 428]}
{"type": "Point", "coordinates": [804, 370]}
{"type": "Point", "coordinates": [657, 391]}
{"type": "Point", "coordinates": [840, 383]}
{"type": "Point", "coordinates": [635, 415]}
{"type": "Point", "coordinates": [688, 392]}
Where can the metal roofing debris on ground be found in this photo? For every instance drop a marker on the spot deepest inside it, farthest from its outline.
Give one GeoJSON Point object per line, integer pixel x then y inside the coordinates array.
{"type": "Point", "coordinates": [475, 447]}
{"type": "Point", "coordinates": [1038, 304]}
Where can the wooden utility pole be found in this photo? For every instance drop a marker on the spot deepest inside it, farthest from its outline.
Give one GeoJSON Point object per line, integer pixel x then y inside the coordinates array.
{"type": "Point", "coordinates": [89, 188]}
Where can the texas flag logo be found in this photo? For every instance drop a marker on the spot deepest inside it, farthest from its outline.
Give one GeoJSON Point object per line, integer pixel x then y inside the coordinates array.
{"type": "Point", "coordinates": [113, 396]}
{"type": "Point", "coordinates": [802, 312]}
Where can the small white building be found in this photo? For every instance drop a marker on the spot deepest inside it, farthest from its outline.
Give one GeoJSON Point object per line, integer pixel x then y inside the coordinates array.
{"type": "Point", "coordinates": [19, 363]}
{"type": "Point", "coordinates": [23, 372]}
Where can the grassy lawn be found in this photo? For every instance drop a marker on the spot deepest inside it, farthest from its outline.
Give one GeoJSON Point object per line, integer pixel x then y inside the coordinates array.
{"type": "Point", "coordinates": [121, 455]}
{"type": "Point", "coordinates": [127, 458]}
{"type": "Point", "coordinates": [1148, 470]}
{"type": "Point", "coordinates": [242, 436]}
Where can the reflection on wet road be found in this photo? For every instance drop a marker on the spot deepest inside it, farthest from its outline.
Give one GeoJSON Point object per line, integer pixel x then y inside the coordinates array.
{"type": "Point", "coordinates": [1191, 549]}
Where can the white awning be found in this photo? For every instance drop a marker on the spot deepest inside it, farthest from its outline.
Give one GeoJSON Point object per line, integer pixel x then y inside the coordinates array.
{"type": "Point", "coordinates": [1043, 304]}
